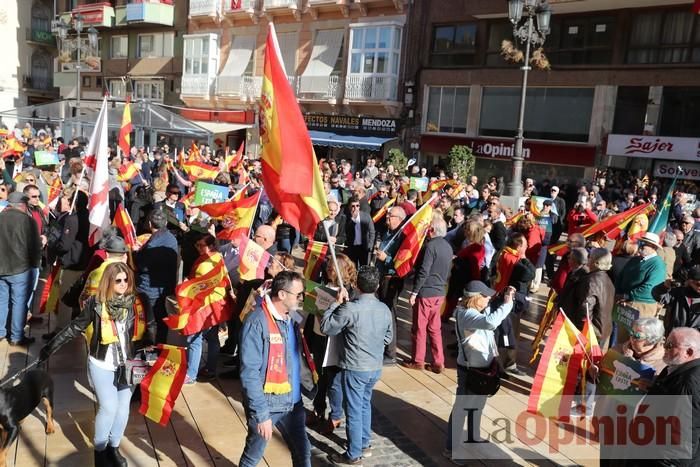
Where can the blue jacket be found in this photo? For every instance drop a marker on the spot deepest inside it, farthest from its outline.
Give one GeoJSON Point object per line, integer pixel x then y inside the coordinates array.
{"type": "Point", "coordinates": [255, 348]}
{"type": "Point", "coordinates": [156, 262]}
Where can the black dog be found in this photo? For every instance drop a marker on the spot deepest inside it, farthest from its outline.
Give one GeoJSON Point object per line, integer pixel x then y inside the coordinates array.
{"type": "Point", "coordinates": [17, 402]}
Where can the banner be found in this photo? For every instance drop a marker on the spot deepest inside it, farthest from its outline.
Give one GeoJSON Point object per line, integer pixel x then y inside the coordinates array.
{"type": "Point", "coordinates": [207, 193]}
{"type": "Point", "coordinates": [42, 158]}
{"type": "Point", "coordinates": [318, 298]}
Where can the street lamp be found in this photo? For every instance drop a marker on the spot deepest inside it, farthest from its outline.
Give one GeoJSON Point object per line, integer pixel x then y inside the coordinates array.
{"type": "Point", "coordinates": [531, 25]}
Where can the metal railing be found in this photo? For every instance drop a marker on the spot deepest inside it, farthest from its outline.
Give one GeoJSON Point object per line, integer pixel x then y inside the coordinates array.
{"type": "Point", "coordinates": [245, 5]}
{"type": "Point", "coordinates": [196, 85]}
{"type": "Point", "coordinates": [205, 7]}
{"type": "Point", "coordinates": [280, 3]}
{"type": "Point", "coordinates": [37, 82]}
{"type": "Point", "coordinates": [371, 88]}
{"type": "Point", "coordinates": [319, 87]}
{"type": "Point", "coordinates": [244, 87]}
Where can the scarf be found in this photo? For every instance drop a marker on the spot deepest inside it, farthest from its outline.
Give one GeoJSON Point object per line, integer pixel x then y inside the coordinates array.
{"type": "Point", "coordinates": [117, 309]}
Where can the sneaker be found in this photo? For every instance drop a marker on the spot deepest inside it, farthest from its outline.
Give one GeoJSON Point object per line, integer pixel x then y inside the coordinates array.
{"type": "Point", "coordinates": [514, 371]}
{"type": "Point", "coordinates": [389, 361]}
{"type": "Point", "coordinates": [190, 381]}
{"type": "Point", "coordinates": [447, 454]}
{"type": "Point", "coordinates": [343, 459]}
{"type": "Point", "coordinates": [23, 342]}
{"type": "Point", "coordinates": [367, 452]}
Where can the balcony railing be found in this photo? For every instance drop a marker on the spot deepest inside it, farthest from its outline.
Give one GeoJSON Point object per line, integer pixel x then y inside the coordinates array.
{"type": "Point", "coordinates": [37, 82]}
{"type": "Point", "coordinates": [246, 88]}
{"type": "Point", "coordinates": [319, 87]}
{"type": "Point", "coordinates": [41, 37]}
{"type": "Point", "coordinates": [280, 3]}
{"type": "Point", "coordinates": [205, 8]}
{"type": "Point", "coordinates": [196, 85]}
{"type": "Point", "coordinates": [241, 5]}
{"type": "Point", "coordinates": [371, 88]}
{"type": "Point", "coordinates": [150, 13]}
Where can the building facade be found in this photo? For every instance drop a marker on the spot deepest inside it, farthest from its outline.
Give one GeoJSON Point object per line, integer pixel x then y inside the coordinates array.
{"type": "Point", "coordinates": [343, 59]}
{"type": "Point", "coordinates": [625, 68]}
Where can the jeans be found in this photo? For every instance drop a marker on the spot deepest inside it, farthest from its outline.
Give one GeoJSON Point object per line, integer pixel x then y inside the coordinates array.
{"type": "Point", "coordinates": [14, 290]}
{"type": "Point", "coordinates": [154, 300]}
{"type": "Point", "coordinates": [329, 384]}
{"type": "Point", "coordinates": [292, 426]}
{"type": "Point", "coordinates": [112, 407]}
{"type": "Point", "coordinates": [357, 388]}
{"type": "Point", "coordinates": [427, 323]}
{"type": "Point", "coordinates": [194, 351]}
{"type": "Point", "coordinates": [473, 405]}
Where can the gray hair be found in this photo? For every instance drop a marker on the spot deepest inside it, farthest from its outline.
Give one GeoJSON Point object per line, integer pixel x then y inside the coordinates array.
{"type": "Point", "coordinates": [439, 226]}
{"type": "Point", "coordinates": [670, 239]}
{"type": "Point", "coordinates": [600, 259]}
{"type": "Point", "coordinates": [652, 328]}
{"type": "Point", "coordinates": [579, 255]}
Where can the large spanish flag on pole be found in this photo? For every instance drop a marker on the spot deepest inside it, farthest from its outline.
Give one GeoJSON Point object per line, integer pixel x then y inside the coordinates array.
{"type": "Point", "coordinates": [163, 383]}
{"type": "Point", "coordinates": [289, 169]}
{"type": "Point", "coordinates": [123, 221]}
{"type": "Point", "coordinates": [414, 231]}
{"type": "Point", "coordinates": [125, 130]}
{"type": "Point", "coordinates": [313, 259]}
{"type": "Point", "coordinates": [239, 219]}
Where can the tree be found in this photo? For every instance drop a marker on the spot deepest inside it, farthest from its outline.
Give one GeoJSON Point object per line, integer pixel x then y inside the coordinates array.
{"type": "Point", "coordinates": [399, 160]}
{"type": "Point", "coordinates": [461, 161]}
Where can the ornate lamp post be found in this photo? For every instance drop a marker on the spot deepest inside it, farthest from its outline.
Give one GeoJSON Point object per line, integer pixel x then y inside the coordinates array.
{"type": "Point", "coordinates": [531, 20]}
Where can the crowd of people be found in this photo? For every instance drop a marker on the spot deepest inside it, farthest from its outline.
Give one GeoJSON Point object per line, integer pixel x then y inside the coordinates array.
{"type": "Point", "coordinates": [480, 264]}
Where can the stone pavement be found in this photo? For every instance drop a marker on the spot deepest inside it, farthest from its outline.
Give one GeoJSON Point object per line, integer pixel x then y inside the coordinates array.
{"type": "Point", "coordinates": [208, 424]}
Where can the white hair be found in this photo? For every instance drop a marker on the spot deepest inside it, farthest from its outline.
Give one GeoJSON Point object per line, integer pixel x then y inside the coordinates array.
{"type": "Point", "coordinates": [600, 258]}
{"type": "Point", "coordinates": [652, 328]}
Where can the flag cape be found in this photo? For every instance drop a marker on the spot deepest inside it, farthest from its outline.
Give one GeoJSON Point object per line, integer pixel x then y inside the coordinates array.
{"type": "Point", "coordinates": [48, 301]}
{"type": "Point", "coordinates": [125, 130]}
{"type": "Point", "coordinates": [163, 383]}
{"type": "Point", "coordinates": [660, 221]}
{"type": "Point", "coordinates": [232, 160]}
{"type": "Point", "coordinates": [290, 171]}
{"type": "Point", "coordinates": [254, 260]}
{"type": "Point", "coordinates": [98, 150]}
{"type": "Point", "coordinates": [199, 170]}
{"type": "Point", "coordinates": [505, 263]}
{"type": "Point", "coordinates": [127, 171]}
{"type": "Point", "coordinates": [239, 220]}
{"type": "Point", "coordinates": [313, 260]}
{"type": "Point", "coordinates": [557, 373]}
{"type": "Point", "coordinates": [383, 210]}
{"type": "Point", "coordinates": [545, 323]}
{"type": "Point", "coordinates": [123, 221]}
{"type": "Point", "coordinates": [414, 232]}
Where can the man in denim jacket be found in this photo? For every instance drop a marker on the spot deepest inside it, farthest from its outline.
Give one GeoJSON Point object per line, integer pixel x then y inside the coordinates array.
{"type": "Point", "coordinates": [365, 326]}
{"type": "Point", "coordinates": [272, 393]}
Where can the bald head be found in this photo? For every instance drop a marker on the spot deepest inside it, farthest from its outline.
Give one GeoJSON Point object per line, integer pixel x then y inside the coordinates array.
{"type": "Point", "coordinates": [682, 346]}
{"type": "Point", "coordinates": [265, 236]}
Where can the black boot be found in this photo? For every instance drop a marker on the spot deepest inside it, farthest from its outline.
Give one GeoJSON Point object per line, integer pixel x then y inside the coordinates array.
{"type": "Point", "coordinates": [102, 459]}
{"type": "Point", "coordinates": [116, 457]}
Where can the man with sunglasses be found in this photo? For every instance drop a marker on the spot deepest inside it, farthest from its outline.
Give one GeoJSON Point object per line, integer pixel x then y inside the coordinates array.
{"type": "Point", "coordinates": [682, 303]}
{"type": "Point", "coordinates": [691, 241]}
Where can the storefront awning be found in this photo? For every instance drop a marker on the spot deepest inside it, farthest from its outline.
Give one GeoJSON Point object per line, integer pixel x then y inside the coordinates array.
{"type": "Point", "coordinates": [324, 138]}
{"type": "Point", "coordinates": [218, 128]}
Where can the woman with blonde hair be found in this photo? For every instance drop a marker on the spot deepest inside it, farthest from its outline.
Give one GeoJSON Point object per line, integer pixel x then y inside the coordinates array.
{"type": "Point", "coordinates": [114, 326]}
{"type": "Point", "coordinates": [467, 265]}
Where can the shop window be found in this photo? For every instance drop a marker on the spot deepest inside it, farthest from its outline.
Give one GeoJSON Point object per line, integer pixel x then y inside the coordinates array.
{"type": "Point", "coordinates": [447, 110]}
{"type": "Point", "coordinates": [558, 114]}
{"type": "Point", "coordinates": [630, 110]}
{"type": "Point", "coordinates": [671, 36]}
{"type": "Point", "coordinates": [581, 40]}
{"type": "Point", "coordinates": [680, 112]}
{"type": "Point", "coordinates": [453, 45]}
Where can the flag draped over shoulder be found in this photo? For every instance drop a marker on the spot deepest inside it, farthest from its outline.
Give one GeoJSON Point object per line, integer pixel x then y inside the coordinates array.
{"type": "Point", "coordinates": [254, 260]}
{"type": "Point", "coordinates": [163, 383]}
{"type": "Point", "coordinates": [289, 169]}
{"type": "Point", "coordinates": [238, 220]}
{"type": "Point", "coordinates": [414, 232]}
{"type": "Point", "coordinates": [98, 151]}
{"type": "Point", "coordinates": [557, 373]}
{"type": "Point", "coordinates": [125, 130]}
{"type": "Point", "coordinates": [313, 260]}
{"type": "Point", "coordinates": [122, 220]}
{"type": "Point", "coordinates": [660, 221]}
{"type": "Point", "coordinates": [505, 263]}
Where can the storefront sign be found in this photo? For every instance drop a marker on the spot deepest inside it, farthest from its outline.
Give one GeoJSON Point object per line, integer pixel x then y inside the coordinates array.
{"type": "Point", "coordinates": [502, 149]}
{"type": "Point", "coordinates": [357, 126]}
{"type": "Point", "coordinates": [654, 147]}
{"type": "Point", "coordinates": [684, 170]}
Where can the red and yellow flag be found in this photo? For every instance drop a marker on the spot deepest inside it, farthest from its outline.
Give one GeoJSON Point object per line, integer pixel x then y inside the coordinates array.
{"type": "Point", "coordinates": [195, 154]}
{"type": "Point", "coordinates": [545, 323]}
{"type": "Point", "coordinates": [554, 385]}
{"type": "Point", "coordinates": [199, 170]}
{"type": "Point", "coordinates": [383, 210]}
{"type": "Point", "coordinates": [289, 168]}
{"type": "Point", "coordinates": [220, 210]}
{"type": "Point", "coordinates": [254, 260]}
{"type": "Point", "coordinates": [48, 302]}
{"type": "Point", "coordinates": [122, 220]}
{"type": "Point", "coordinates": [54, 192]}
{"type": "Point", "coordinates": [313, 260]}
{"type": "Point", "coordinates": [232, 160]}
{"type": "Point", "coordinates": [125, 130]}
{"type": "Point", "coordinates": [12, 147]}
{"type": "Point", "coordinates": [239, 220]}
{"type": "Point", "coordinates": [127, 171]}
{"type": "Point", "coordinates": [414, 232]}
{"type": "Point", "coordinates": [163, 383]}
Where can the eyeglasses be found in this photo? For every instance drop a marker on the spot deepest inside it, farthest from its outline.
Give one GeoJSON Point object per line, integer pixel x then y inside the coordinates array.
{"type": "Point", "coordinates": [120, 281]}
{"type": "Point", "coordinates": [672, 345]}
{"type": "Point", "coordinates": [638, 336]}
{"type": "Point", "coordinates": [298, 295]}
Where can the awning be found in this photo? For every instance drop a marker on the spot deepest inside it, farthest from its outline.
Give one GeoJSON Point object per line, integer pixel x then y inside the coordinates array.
{"type": "Point", "coordinates": [324, 138]}
{"type": "Point", "coordinates": [220, 127]}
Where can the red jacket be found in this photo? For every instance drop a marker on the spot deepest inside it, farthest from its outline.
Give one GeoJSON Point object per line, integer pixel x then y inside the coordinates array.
{"type": "Point", "coordinates": [534, 239]}
{"type": "Point", "coordinates": [579, 221]}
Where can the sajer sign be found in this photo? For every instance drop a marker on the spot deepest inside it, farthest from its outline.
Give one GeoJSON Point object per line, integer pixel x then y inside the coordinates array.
{"type": "Point", "coordinates": [654, 147]}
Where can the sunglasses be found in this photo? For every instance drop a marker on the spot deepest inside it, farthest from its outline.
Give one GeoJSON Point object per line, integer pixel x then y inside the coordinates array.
{"type": "Point", "coordinates": [298, 295]}
{"type": "Point", "coordinates": [638, 336]}
{"type": "Point", "coordinates": [34, 196]}
{"type": "Point", "coordinates": [174, 193]}
{"type": "Point", "coordinates": [120, 281]}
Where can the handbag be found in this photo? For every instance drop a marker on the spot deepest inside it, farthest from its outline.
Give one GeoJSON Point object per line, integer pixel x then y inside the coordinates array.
{"type": "Point", "coordinates": [482, 381]}
{"type": "Point", "coordinates": [132, 371]}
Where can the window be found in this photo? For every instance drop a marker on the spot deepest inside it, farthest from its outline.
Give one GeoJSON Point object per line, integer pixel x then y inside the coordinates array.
{"type": "Point", "coordinates": [498, 32]}
{"type": "Point", "coordinates": [197, 56]}
{"type": "Point", "coordinates": [150, 90]}
{"type": "Point", "coordinates": [453, 45]}
{"type": "Point", "coordinates": [117, 89]}
{"type": "Point", "coordinates": [119, 47]}
{"type": "Point", "coordinates": [581, 40]}
{"type": "Point", "coordinates": [447, 109]}
{"type": "Point", "coordinates": [558, 114]}
{"type": "Point", "coordinates": [155, 45]}
{"type": "Point", "coordinates": [680, 112]}
{"type": "Point", "coordinates": [87, 81]}
{"type": "Point", "coordinates": [375, 50]}
{"type": "Point", "coordinates": [630, 110]}
{"type": "Point", "coordinates": [664, 37]}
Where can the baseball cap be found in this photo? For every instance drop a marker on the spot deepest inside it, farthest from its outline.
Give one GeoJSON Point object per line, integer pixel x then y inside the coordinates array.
{"type": "Point", "coordinates": [478, 288]}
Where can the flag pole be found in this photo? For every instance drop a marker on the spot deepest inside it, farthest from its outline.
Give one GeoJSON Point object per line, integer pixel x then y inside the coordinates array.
{"type": "Point", "coordinates": [393, 237]}
{"type": "Point", "coordinates": [255, 213]}
{"type": "Point", "coordinates": [331, 246]}
{"type": "Point", "coordinates": [77, 189]}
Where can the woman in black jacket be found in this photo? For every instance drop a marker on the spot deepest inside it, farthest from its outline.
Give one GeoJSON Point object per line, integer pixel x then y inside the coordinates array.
{"type": "Point", "coordinates": [114, 327]}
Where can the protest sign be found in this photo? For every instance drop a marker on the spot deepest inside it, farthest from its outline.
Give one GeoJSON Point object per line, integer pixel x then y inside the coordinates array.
{"type": "Point", "coordinates": [623, 376]}
{"type": "Point", "coordinates": [207, 193]}
{"type": "Point", "coordinates": [318, 298]}
{"type": "Point", "coordinates": [43, 158]}
{"type": "Point", "coordinates": [419, 184]}
{"type": "Point", "coordinates": [625, 315]}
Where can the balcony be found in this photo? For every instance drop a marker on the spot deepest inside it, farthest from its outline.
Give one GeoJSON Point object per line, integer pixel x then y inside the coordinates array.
{"type": "Point", "coordinates": [245, 88]}
{"type": "Point", "coordinates": [38, 36]}
{"type": "Point", "coordinates": [94, 14]}
{"type": "Point", "coordinates": [235, 6]}
{"type": "Point", "coordinates": [196, 86]}
{"type": "Point", "coordinates": [211, 8]}
{"type": "Point", "coordinates": [150, 13]}
{"type": "Point", "coordinates": [320, 88]}
{"type": "Point", "coordinates": [371, 88]}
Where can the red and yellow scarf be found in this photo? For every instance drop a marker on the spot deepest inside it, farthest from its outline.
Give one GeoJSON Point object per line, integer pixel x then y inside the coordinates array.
{"type": "Point", "coordinates": [108, 328]}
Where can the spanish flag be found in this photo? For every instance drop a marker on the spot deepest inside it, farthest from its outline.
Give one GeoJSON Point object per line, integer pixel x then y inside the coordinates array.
{"type": "Point", "coordinates": [48, 302]}
{"type": "Point", "coordinates": [219, 210]}
{"type": "Point", "coordinates": [414, 232]}
{"type": "Point", "coordinates": [239, 220]}
{"type": "Point", "coordinates": [313, 260]}
{"type": "Point", "coordinates": [254, 260]}
{"type": "Point", "coordinates": [383, 210]}
{"type": "Point", "coordinates": [12, 147]}
{"type": "Point", "coordinates": [505, 263]}
{"type": "Point", "coordinates": [125, 130]}
{"type": "Point", "coordinates": [545, 324]}
{"type": "Point", "coordinates": [232, 160]}
{"type": "Point", "coordinates": [557, 373]}
{"type": "Point", "coordinates": [200, 171]}
{"type": "Point", "coordinates": [54, 192]}
{"type": "Point", "coordinates": [289, 169]}
{"type": "Point", "coordinates": [163, 383]}
{"type": "Point", "coordinates": [127, 171]}
{"type": "Point", "coordinates": [194, 154]}
{"type": "Point", "coordinates": [123, 221]}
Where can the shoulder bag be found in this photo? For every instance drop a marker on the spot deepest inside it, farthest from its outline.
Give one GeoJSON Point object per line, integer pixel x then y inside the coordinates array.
{"type": "Point", "coordinates": [482, 381]}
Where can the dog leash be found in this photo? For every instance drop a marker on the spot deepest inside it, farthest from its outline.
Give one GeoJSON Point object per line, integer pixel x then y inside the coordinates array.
{"type": "Point", "coordinates": [20, 373]}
